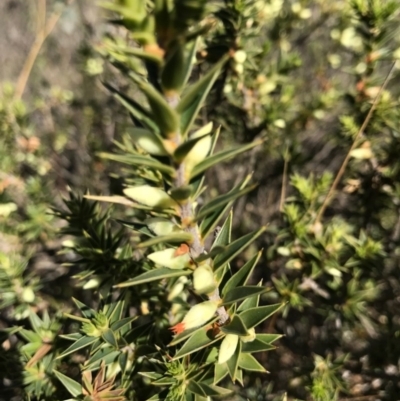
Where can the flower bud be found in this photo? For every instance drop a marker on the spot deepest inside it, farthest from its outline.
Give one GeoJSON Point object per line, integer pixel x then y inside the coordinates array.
{"type": "Point", "coordinates": [28, 295]}
{"type": "Point", "coordinates": [177, 288]}
{"type": "Point", "coordinates": [240, 56]}
{"type": "Point", "coordinates": [168, 258]}
{"type": "Point", "coordinates": [91, 330]}
{"type": "Point", "coordinates": [228, 347]}
{"type": "Point", "coordinates": [101, 321]}
{"type": "Point", "coordinates": [251, 336]}
{"type": "Point", "coordinates": [197, 316]}
{"type": "Point", "coordinates": [203, 280]}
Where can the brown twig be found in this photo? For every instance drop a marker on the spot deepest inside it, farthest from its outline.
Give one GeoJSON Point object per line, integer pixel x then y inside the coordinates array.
{"type": "Point", "coordinates": [44, 28]}
{"type": "Point", "coordinates": [342, 169]}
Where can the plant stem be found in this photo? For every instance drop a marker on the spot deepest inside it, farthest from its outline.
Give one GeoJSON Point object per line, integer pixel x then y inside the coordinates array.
{"type": "Point", "coordinates": [187, 215]}
{"type": "Point", "coordinates": [342, 169]}
{"type": "Point", "coordinates": [42, 33]}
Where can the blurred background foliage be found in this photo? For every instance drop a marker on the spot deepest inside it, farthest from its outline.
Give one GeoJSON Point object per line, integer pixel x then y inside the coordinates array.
{"type": "Point", "coordinates": [303, 77]}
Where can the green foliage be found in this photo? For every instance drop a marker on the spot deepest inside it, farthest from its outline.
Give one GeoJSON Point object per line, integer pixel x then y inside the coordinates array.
{"type": "Point", "coordinates": [163, 294]}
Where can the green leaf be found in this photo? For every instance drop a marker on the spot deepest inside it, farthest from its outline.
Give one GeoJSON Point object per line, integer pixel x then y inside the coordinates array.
{"type": "Point", "coordinates": [191, 49]}
{"type": "Point", "coordinates": [242, 275]}
{"type": "Point", "coordinates": [106, 355]}
{"type": "Point", "coordinates": [153, 275]}
{"type": "Point", "coordinates": [164, 115]}
{"type": "Point", "coordinates": [250, 302]}
{"type": "Point", "coordinates": [115, 310]}
{"type": "Point", "coordinates": [182, 193]}
{"type": "Point", "coordinates": [84, 309]}
{"type": "Point", "coordinates": [256, 346]}
{"type": "Point", "coordinates": [177, 237]}
{"type": "Point", "coordinates": [139, 160]}
{"type": "Point", "coordinates": [224, 236]}
{"type": "Point", "coordinates": [268, 338]}
{"type": "Point", "coordinates": [220, 372]}
{"type": "Point", "coordinates": [233, 362]}
{"type": "Point", "coordinates": [120, 200]}
{"type": "Point", "coordinates": [214, 391]}
{"type": "Point", "coordinates": [71, 337]}
{"type": "Point", "coordinates": [183, 150]}
{"type": "Point", "coordinates": [30, 336]}
{"type": "Point", "coordinates": [137, 52]}
{"type": "Point", "coordinates": [222, 201]}
{"type": "Point", "coordinates": [195, 388]}
{"type": "Point", "coordinates": [174, 71]}
{"type": "Point", "coordinates": [120, 324]}
{"type": "Point", "coordinates": [236, 247]}
{"type": "Point", "coordinates": [248, 362]}
{"type": "Point", "coordinates": [188, 333]}
{"type": "Point", "coordinates": [235, 326]}
{"type": "Point", "coordinates": [199, 340]}
{"type": "Point", "coordinates": [151, 375]}
{"type": "Point", "coordinates": [218, 158]}
{"type": "Point", "coordinates": [148, 141]}
{"type": "Point", "coordinates": [137, 111]}
{"type": "Point", "coordinates": [109, 337]}
{"type": "Point", "coordinates": [239, 293]}
{"type": "Point", "coordinates": [193, 99]}
{"type": "Point", "coordinates": [214, 252]}
{"type": "Point", "coordinates": [77, 345]}
{"type": "Point", "coordinates": [210, 221]}
{"type": "Point", "coordinates": [73, 387]}
{"type": "Point", "coordinates": [150, 196]}
{"type": "Point", "coordinates": [164, 381]}
{"type": "Point", "coordinates": [253, 317]}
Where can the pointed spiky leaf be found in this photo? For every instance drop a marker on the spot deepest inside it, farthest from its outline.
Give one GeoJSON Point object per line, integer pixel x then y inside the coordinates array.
{"type": "Point", "coordinates": [239, 293]}
{"type": "Point", "coordinates": [248, 362]}
{"type": "Point", "coordinates": [218, 158]}
{"type": "Point", "coordinates": [186, 334]}
{"type": "Point", "coordinates": [193, 99]}
{"type": "Point", "coordinates": [73, 387]}
{"type": "Point", "coordinates": [183, 150]}
{"type": "Point", "coordinates": [154, 275]}
{"type": "Point", "coordinates": [199, 340]}
{"type": "Point", "coordinates": [256, 346]}
{"type": "Point", "coordinates": [242, 275]}
{"type": "Point", "coordinates": [233, 362]}
{"type": "Point", "coordinates": [224, 236]}
{"type": "Point", "coordinates": [173, 238]}
{"type": "Point", "coordinates": [253, 317]}
{"type": "Point", "coordinates": [235, 326]}
{"type": "Point", "coordinates": [140, 114]}
{"type": "Point", "coordinates": [139, 160]}
{"type": "Point", "coordinates": [235, 247]}
{"type": "Point", "coordinates": [164, 115]}
{"type": "Point", "coordinates": [220, 372]}
{"type": "Point", "coordinates": [221, 202]}
{"type": "Point", "coordinates": [209, 223]}
{"type": "Point", "coordinates": [149, 141]}
{"type": "Point", "coordinates": [109, 337]}
{"type": "Point", "coordinates": [77, 345]}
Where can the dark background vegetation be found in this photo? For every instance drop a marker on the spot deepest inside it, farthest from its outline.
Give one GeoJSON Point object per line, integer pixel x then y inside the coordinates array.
{"type": "Point", "coordinates": [312, 71]}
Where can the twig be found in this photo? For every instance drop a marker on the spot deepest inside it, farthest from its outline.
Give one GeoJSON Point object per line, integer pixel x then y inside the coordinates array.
{"type": "Point", "coordinates": [342, 169]}
{"type": "Point", "coordinates": [187, 215]}
{"type": "Point", "coordinates": [43, 31]}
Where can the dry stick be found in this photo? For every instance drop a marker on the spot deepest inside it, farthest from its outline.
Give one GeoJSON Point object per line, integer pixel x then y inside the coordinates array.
{"type": "Point", "coordinates": [347, 158]}
{"type": "Point", "coordinates": [41, 36]}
